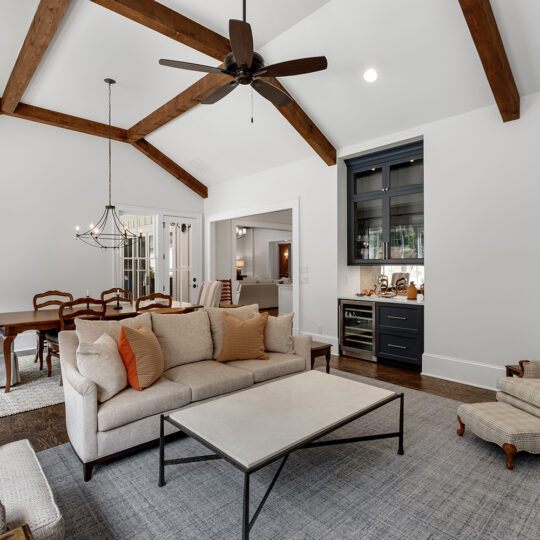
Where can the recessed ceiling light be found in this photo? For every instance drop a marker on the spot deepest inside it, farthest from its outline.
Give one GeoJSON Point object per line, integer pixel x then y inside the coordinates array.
{"type": "Point", "coordinates": [370, 75]}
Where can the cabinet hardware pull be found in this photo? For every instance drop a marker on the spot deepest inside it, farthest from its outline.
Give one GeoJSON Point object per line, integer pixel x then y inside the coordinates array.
{"type": "Point", "coordinates": [397, 346]}
{"type": "Point", "coordinates": [399, 318]}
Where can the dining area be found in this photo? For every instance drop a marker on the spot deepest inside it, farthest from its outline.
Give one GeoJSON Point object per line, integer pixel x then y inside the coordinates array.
{"type": "Point", "coordinates": [54, 311]}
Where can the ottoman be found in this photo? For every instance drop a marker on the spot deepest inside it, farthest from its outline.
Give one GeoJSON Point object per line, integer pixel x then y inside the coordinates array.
{"type": "Point", "coordinates": [512, 429]}
{"type": "Point", "coordinates": [25, 493]}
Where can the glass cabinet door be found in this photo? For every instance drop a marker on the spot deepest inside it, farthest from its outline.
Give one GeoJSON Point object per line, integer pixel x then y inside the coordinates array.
{"type": "Point", "coordinates": [407, 226]}
{"type": "Point", "coordinates": [409, 173]}
{"type": "Point", "coordinates": [367, 181]}
{"type": "Point", "coordinates": [368, 227]}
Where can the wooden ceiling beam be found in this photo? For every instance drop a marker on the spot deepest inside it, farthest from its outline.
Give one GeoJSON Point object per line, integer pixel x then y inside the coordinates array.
{"type": "Point", "coordinates": [171, 167]}
{"type": "Point", "coordinates": [178, 105]}
{"type": "Point", "coordinates": [490, 47]}
{"type": "Point", "coordinates": [171, 24]}
{"type": "Point", "coordinates": [48, 15]}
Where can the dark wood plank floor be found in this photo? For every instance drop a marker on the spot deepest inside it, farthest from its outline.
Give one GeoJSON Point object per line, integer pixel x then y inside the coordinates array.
{"type": "Point", "coordinates": [46, 427]}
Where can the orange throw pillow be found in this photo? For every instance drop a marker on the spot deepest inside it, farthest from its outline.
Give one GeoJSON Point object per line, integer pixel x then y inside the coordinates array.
{"type": "Point", "coordinates": [142, 356]}
{"type": "Point", "coordinates": [243, 340]}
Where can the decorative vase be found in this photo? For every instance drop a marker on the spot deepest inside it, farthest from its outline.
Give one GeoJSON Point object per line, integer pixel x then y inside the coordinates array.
{"type": "Point", "coordinates": [412, 293]}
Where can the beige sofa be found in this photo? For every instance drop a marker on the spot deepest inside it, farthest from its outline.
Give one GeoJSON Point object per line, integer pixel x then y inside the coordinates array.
{"type": "Point", "coordinates": [260, 291]}
{"type": "Point", "coordinates": [130, 419]}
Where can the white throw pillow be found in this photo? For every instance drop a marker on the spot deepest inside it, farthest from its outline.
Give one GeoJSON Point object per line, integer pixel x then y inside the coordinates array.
{"type": "Point", "coordinates": [278, 334]}
{"type": "Point", "coordinates": [216, 321]}
{"type": "Point", "coordinates": [88, 330]}
{"type": "Point", "coordinates": [183, 338]}
{"type": "Point", "coordinates": [102, 364]}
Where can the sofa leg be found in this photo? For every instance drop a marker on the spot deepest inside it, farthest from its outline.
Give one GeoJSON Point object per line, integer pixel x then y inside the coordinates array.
{"type": "Point", "coordinates": [510, 451]}
{"type": "Point", "coordinates": [87, 471]}
{"type": "Point", "coordinates": [461, 429]}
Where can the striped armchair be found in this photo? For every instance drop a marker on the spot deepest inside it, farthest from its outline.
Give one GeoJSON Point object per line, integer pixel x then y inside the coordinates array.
{"type": "Point", "coordinates": [210, 294]}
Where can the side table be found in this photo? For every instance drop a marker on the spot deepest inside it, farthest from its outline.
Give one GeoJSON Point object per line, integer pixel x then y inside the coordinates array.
{"type": "Point", "coordinates": [21, 533]}
{"type": "Point", "coordinates": [320, 349]}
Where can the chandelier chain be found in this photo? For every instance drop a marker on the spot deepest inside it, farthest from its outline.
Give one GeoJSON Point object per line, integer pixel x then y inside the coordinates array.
{"type": "Point", "coordinates": [110, 152]}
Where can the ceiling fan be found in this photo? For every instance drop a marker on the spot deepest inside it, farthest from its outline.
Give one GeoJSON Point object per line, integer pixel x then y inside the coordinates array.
{"type": "Point", "coordinates": [245, 66]}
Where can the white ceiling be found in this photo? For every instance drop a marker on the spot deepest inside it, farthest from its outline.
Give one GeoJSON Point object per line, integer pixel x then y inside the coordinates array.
{"type": "Point", "coordinates": [428, 69]}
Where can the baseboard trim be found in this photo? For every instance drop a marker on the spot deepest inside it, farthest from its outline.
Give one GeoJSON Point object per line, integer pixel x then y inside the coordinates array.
{"type": "Point", "coordinates": [462, 371]}
{"type": "Point", "coordinates": [325, 339]}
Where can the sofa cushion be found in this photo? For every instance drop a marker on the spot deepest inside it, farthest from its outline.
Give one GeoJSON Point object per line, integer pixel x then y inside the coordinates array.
{"type": "Point", "coordinates": [277, 365]}
{"type": "Point", "coordinates": [216, 321]}
{"type": "Point", "coordinates": [210, 378]}
{"type": "Point", "coordinates": [26, 494]}
{"type": "Point", "coordinates": [130, 405]}
{"type": "Point", "coordinates": [89, 331]}
{"type": "Point", "coordinates": [141, 353]}
{"type": "Point", "coordinates": [102, 364]}
{"type": "Point", "coordinates": [278, 334]}
{"type": "Point", "coordinates": [525, 389]}
{"type": "Point", "coordinates": [183, 338]}
{"type": "Point", "coordinates": [243, 340]}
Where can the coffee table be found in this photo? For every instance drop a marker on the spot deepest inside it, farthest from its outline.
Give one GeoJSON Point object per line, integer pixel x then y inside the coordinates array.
{"type": "Point", "coordinates": [258, 426]}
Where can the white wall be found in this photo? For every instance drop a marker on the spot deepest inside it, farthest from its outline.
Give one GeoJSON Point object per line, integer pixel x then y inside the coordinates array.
{"type": "Point", "coordinates": [314, 184]}
{"type": "Point", "coordinates": [482, 187]}
{"type": "Point", "coordinates": [52, 179]}
{"type": "Point", "coordinates": [261, 249]}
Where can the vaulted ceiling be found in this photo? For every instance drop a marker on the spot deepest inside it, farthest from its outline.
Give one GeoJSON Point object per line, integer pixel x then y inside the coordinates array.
{"type": "Point", "coordinates": [428, 69]}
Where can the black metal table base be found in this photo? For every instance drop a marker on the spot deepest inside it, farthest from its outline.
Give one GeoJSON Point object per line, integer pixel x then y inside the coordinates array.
{"type": "Point", "coordinates": [247, 523]}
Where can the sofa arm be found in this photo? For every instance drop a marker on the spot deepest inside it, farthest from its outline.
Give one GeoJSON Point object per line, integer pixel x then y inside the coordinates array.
{"type": "Point", "coordinates": [302, 347]}
{"type": "Point", "coordinates": [80, 395]}
{"type": "Point", "coordinates": [530, 368]}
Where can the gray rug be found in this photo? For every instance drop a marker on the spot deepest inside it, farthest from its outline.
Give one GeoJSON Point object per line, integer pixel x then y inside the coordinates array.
{"type": "Point", "coordinates": [444, 486]}
{"type": "Point", "coordinates": [35, 390]}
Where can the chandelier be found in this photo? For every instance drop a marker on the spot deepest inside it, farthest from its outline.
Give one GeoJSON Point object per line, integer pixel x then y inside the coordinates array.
{"type": "Point", "coordinates": [109, 232]}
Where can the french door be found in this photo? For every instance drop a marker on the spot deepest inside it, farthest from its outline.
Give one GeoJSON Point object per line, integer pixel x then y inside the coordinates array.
{"type": "Point", "coordinates": [181, 258]}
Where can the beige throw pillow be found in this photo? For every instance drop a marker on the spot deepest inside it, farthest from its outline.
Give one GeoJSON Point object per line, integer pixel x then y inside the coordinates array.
{"type": "Point", "coordinates": [243, 340]}
{"type": "Point", "coordinates": [88, 331]}
{"type": "Point", "coordinates": [102, 364]}
{"type": "Point", "coordinates": [183, 338]}
{"type": "Point", "coordinates": [278, 334]}
{"type": "Point", "coordinates": [216, 321]}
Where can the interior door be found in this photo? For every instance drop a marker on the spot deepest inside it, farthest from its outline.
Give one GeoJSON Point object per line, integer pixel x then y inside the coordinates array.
{"type": "Point", "coordinates": [182, 258]}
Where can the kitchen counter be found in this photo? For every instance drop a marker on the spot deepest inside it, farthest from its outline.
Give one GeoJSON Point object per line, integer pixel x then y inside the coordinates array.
{"type": "Point", "coordinates": [393, 300]}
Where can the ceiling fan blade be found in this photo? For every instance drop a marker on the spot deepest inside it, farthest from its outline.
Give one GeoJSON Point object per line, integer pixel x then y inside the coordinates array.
{"type": "Point", "coordinates": [294, 67]}
{"type": "Point", "coordinates": [271, 93]}
{"type": "Point", "coordinates": [241, 42]}
{"type": "Point", "coordinates": [220, 93]}
{"type": "Point", "coordinates": [192, 67]}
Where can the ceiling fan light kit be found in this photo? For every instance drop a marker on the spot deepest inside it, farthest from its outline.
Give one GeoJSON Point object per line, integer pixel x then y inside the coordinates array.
{"type": "Point", "coordinates": [246, 67]}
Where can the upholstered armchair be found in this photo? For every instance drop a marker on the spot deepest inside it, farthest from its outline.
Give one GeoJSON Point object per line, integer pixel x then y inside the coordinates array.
{"type": "Point", "coordinates": [523, 391]}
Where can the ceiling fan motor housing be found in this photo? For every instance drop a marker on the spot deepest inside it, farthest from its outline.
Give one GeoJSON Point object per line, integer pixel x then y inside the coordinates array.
{"type": "Point", "coordinates": [243, 75]}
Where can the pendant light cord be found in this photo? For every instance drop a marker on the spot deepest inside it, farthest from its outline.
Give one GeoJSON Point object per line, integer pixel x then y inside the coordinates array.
{"type": "Point", "coordinates": [110, 153]}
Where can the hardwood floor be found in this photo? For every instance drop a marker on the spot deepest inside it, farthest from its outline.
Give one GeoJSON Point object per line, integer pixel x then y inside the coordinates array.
{"type": "Point", "coordinates": [46, 427]}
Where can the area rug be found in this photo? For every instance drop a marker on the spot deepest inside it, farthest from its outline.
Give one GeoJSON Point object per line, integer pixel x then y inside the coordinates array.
{"type": "Point", "coordinates": [35, 390]}
{"type": "Point", "coordinates": [444, 487]}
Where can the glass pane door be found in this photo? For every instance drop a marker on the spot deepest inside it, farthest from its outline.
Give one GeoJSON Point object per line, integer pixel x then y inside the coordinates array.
{"type": "Point", "coordinates": [182, 277]}
{"type": "Point", "coordinates": [407, 226]}
{"type": "Point", "coordinates": [358, 327]}
{"type": "Point", "coordinates": [368, 229]}
{"type": "Point", "coordinates": [410, 173]}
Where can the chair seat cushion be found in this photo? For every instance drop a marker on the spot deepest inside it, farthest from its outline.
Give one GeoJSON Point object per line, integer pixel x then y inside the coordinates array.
{"type": "Point", "coordinates": [525, 389]}
{"type": "Point", "coordinates": [501, 423]}
{"type": "Point", "coordinates": [52, 335]}
{"type": "Point", "coordinates": [277, 365]}
{"type": "Point", "coordinates": [26, 494]}
{"type": "Point", "coordinates": [210, 378]}
{"type": "Point", "coordinates": [130, 404]}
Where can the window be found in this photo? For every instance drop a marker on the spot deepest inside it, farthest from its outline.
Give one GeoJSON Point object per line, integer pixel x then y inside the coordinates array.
{"type": "Point", "coordinates": [386, 207]}
{"type": "Point", "coordinates": [138, 260]}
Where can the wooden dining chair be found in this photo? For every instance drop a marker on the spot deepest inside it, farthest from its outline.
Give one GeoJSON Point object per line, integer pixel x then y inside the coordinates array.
{"type": "Point", "coordinates": [116, 293]}
{"type": "Point", "coordinates": [87, 308]}
{"type": "Point", "coordinates": [144, 303]}
{"type": "Point", "coordinates": [43, 300]}
{"type": "Point", "coordinates": [226, 292]}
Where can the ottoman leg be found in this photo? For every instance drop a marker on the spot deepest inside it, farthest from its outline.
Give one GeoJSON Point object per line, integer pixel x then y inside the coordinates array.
{"type": "Point", "coordinates": [461, 430]}
{"type": "Point", "coordinates": [510, 451]}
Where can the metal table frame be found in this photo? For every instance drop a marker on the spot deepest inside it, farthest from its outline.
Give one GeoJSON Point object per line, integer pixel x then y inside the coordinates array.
{"type": "Point", "coordinates": [312, 442]}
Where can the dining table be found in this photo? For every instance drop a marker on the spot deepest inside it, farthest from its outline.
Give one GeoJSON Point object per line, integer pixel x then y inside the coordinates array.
{"type": "Point", "coordinates": [15, 322]}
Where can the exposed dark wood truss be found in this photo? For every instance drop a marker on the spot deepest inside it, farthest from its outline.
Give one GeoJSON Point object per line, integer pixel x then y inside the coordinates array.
{"type": "Point", "coordinates": [48, 15]}
{"type": "Point", "coordinates": [176, 26]}
{"type": "Point", "coordinates": [486, 37]}
{"type": "Point", "coordinates": [171, 167]}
